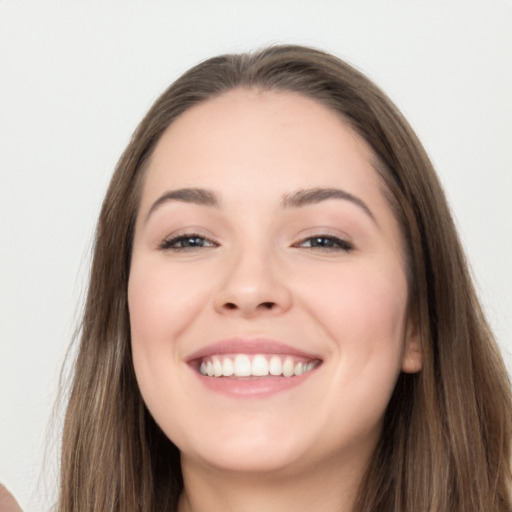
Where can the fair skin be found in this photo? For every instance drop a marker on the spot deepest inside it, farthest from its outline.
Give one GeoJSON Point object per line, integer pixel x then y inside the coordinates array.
{"type": "Point", "coordinates": [289, 251]}
{"type": "Point", "coordinates": [7, 501]}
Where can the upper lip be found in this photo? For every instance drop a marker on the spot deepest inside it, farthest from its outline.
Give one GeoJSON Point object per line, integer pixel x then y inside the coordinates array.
{"type": "Point", "coordinates": [249, 346]}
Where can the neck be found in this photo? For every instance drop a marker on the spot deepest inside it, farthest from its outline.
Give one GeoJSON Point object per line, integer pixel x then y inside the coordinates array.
{"type": "Point", "coordinates": [328, 488]}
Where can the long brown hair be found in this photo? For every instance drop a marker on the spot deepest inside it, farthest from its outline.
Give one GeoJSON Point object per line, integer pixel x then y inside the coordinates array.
{"type": "Point", "coordinates": [445, 445]}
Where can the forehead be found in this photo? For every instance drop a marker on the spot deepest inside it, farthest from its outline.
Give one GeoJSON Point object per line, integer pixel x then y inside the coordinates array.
{"type": "Point", "coordinates": [279, 133]}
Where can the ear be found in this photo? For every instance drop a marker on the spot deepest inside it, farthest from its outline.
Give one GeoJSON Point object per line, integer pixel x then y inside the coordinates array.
{"type": "Point", "coordinates": [412, 359]}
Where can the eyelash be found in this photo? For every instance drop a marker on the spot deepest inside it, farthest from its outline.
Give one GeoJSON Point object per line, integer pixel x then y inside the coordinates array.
{"type": "Point", "coordinates": [322, 242]}
{"type": "Point", "coordinates": [334, 243]}
{"type": "Point", "coordinates": [172, 243]}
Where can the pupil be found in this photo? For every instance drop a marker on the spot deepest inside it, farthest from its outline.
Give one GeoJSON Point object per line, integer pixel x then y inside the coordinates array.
{"type": "Point", "coordinates": [193, 242]}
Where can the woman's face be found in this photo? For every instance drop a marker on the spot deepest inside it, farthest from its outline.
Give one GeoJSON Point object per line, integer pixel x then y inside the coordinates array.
{"type": "Point", "coordinates": [267, 291]}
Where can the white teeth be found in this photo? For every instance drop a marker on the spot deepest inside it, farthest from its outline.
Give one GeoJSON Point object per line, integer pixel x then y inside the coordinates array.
{"type": "Point", "coordinates": [288, 367]}
{"type": "Point", "coordinates": [275, 366]}
{"type": "Point", "coordinates": [228, 368]}
{"type": "Point", "coordinates": [217, 367]}
{"type": "Point", "coordinates": [242, 366]}
{"type": "Point", "coordinates": [299, 369]}
{"type": "Point", "coordinates": [258, 365]}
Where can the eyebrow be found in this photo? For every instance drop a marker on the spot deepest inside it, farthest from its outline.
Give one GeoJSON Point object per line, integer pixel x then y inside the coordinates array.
{"type": "Point", "coordinates": [303, 197]}
{"type": "Point", "coordinates": [198, 196]}
{"type": "Point", "coordinates": [309, 196]}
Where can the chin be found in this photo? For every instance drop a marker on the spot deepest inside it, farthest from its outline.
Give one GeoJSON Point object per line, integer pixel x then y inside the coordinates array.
{"type": "Point", "coordinates": [253, 461]}
{"type": "Point", "coordinates": [253, 450]}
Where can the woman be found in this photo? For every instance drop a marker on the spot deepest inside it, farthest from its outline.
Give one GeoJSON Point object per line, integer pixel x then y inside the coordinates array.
{"type": "Point", "coordinates": [280, 315]}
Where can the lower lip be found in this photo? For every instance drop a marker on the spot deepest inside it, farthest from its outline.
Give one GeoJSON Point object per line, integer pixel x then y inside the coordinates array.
{"type": "Point", "coordinates": [252, 388]}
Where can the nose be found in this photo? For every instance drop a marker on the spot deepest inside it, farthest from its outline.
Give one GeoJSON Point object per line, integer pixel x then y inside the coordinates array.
{"type": "Point", "coordinates": [253, 285]}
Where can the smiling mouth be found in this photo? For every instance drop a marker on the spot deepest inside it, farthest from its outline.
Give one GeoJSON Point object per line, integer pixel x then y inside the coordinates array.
{"type": "Point", "coordinates": [254, 366]}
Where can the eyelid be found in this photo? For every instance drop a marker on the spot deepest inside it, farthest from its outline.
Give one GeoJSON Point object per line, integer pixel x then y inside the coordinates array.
{"type": "Point", "coordinates": [168, 241]}
{"type": "Point", "coordinates": [342, 243]}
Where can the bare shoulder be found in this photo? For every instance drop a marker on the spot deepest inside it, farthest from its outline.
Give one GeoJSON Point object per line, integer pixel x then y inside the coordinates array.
{"type": "Point", "coordinates": [7, 501]}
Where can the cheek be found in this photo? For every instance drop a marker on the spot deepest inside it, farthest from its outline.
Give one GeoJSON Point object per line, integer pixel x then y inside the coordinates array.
{"type": "Point", "coordinates": [365, 319]}
{"type": "Point", "coordinates": [363, 313]}
{"type": "Point", "coordinates": [162, 303]}
{"type": "Point", "coordinates": [162, 300]}
{"type": "Point", "coordinates": [370, 300]}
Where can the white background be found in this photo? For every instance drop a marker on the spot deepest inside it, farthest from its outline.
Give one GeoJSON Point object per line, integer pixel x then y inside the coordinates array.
{"type": "Point", "coordinates": [76, 77]}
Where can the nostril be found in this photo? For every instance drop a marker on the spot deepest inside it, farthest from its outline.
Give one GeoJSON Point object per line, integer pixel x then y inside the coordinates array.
{"type": "Point", "coordinates": [250, 308]}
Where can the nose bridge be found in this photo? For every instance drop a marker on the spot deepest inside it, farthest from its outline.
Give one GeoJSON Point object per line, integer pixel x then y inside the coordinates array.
{"type": "Point", "coordinates": [252, 282]}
